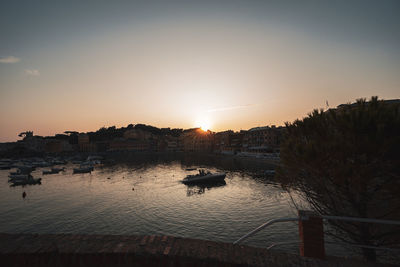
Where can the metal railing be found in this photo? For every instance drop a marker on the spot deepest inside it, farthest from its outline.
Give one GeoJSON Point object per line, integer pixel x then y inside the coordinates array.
{"type": "Point", "coordinates": [262, 226]}
{"type": "Point", "coordinates": [336, 243]}
{"type": "Point", "coordinates": [355, 219]}
{"type": "Point", "coordinates": [326, 217]}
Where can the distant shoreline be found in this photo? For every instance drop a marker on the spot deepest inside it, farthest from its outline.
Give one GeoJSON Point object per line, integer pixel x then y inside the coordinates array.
{"type": "Point", "coordinates": [188, 159]}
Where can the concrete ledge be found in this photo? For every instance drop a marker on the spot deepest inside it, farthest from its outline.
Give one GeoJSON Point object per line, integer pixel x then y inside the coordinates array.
{"type": "Point", "coordinates": [116, 250]}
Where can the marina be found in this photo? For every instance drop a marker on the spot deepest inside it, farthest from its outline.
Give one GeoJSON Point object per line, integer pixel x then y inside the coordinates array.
{"type": "Point", "coordinates": [159, 204]}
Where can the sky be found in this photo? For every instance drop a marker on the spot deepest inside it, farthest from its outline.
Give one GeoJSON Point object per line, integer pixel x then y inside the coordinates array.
{"type": "Point", "coordinates": [82, 65]}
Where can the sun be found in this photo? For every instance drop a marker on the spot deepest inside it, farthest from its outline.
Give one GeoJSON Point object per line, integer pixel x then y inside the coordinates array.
{"type": "Point", "coordinates": [204, 124]}
{"type": "Point", "coordinates": [204, 128]}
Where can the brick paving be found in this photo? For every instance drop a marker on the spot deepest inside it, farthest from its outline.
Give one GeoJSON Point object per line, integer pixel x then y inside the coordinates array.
{"type": "Point", "coordinates": [115, 250]}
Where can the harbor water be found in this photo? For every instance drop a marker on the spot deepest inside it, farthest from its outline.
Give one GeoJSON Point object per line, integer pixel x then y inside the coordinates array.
{"type": "Point", "coordinates": [148, 198]}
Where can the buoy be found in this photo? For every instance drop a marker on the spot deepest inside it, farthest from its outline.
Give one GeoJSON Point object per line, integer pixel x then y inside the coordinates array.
{"type": "Point", "coordinates": [23, 194]}
{"type": "Point", "coordinates": [108, 178]}
{"type": "Point", "coordinates": [133, 189]}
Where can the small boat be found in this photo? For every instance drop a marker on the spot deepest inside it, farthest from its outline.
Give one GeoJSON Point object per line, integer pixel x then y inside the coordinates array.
{"type": "Point", "coordinates": [23, 179]}
{"type": "Point", "coordinates": [58, 162]}
{"type": "Point", "coordinates": [204, 177]}
{"type": "Point", "coordinates": [83, 170]}
{"type": "Point", "coordinates": [53, 171]}
{"type": "Point", "coordinates": [26, 169]}
{"type": "Point", "coordinates": [19, 177]}
{"type": "Point", "coordinates": [27, 181]}
{"type": "Point", "coordinates": [48, 172]}
{"type": "Point", "coordinates": [17, 172]}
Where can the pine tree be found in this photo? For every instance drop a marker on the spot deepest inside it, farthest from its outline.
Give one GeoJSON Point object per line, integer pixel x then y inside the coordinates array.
{"type": "Point", "coordinates": [345, 162]}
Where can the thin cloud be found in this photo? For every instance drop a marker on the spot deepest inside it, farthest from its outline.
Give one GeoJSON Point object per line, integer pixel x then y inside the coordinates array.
{"type": "Point", "coordinates": [9, 59]}
{"type": "Point", "coordinates": [32, 72]}
{"type": "Point", "coordinates": [229, 108]}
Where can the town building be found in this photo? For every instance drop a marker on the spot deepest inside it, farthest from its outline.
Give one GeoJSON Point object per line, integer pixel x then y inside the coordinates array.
{"type": "Point", "coordinates": [84, 143]}
{"type": "Point", "coordinates": [137, 134]}
{"type": "Point", "coordinates": [35, 143]}
{"type": "Point", "coordinates": [222, 144]}
{"type": "Point", "coordinates": [53, 146]}
{"type": "Point", "coordinates": [228, 142]}
{"type": "Point", "coordinates": [197, 140]}
{"type": "Point", "coordinates": [171, 143]}
{"type": "Point", "coordinates": [121, 144]}
{"type": "Point", "coordinates": [262, 139]}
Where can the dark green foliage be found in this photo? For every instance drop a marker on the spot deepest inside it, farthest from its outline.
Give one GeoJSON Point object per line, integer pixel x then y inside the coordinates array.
{"type": "Point", "coordinates": [148, 128]}
{"type": "Point", "coordinates": [345, 162]}
{"type": "Point", "coordinates": [110, 133]}
{"type": "Point", "coordinates": [106, 134]}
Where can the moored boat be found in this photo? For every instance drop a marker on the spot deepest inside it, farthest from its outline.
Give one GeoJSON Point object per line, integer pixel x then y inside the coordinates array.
{"type": "Point", "coordinates": [19, 177]}
{"type": "Point", "coordinates": [204, 177]}
{"type": "Point", "coordinates": [26, 169]}
{"type": "Point", "coordinates": [23, 179]}
{"type": "Point", "coordinates": [53, 171]}
{"type": "Point", "coordinates": [29, 181]}
{"type": "Point", "coordinates": [83, 170]}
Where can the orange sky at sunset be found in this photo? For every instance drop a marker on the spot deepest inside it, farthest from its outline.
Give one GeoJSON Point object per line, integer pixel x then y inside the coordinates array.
{"type": "Point", "coordinates": [180, 65]}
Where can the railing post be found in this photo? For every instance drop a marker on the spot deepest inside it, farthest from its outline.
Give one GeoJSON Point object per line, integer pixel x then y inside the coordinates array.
{"type": "Point", "coordinates": [311, 233]}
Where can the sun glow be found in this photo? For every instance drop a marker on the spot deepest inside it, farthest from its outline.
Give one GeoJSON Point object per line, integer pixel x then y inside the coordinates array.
{"type": "Point", "coordinates": [204, 124]}
{"type": "Point", "coordinates": [204, 128]}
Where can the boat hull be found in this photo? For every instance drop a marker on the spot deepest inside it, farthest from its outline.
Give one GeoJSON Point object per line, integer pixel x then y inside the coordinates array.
{"type": "Point", "coordinates": [27, 182]}
{"type": "Point", "coordinates": [19, 177]}
{"type": "Point", "coordinates": [209, 178]}
{"type": "Point", "coordinates": [49, 172]}
{"type": "Point", "coordinates": [83, 170]}
{"type": "Point", "coordinates": [53, 171]}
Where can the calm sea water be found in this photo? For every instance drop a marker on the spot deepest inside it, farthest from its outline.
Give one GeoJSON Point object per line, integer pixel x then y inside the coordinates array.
{"type": "Point", "coordinates": [146, 199]}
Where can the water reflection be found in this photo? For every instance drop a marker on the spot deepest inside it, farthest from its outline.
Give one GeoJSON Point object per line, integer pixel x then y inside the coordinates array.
{"type": "Point", "coordinates": [200, 189]}
{"type": "Point", "coordinates": [195, 160]}
{"type": "Point", "coordinates": [104, 201]}
{"type": "Point", "coordinates": [143, 195]}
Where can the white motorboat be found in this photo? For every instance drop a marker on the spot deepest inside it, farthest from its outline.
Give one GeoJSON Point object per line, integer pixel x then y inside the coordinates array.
{"type": "Point", "coordinates": [204, 177]}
